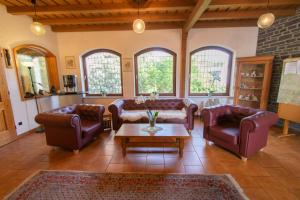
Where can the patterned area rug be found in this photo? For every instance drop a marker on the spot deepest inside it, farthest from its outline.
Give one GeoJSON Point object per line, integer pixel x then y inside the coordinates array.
{"type": "Point", "coordinates": [86, 185]}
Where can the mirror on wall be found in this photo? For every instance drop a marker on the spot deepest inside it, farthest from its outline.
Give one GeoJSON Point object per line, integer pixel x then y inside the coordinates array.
{"type": "Point", "coordinates": [36, 70]}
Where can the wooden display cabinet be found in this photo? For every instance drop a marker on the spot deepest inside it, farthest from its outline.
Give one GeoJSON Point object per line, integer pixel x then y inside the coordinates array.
{"type": "Point", "coordinates": [252, 83]}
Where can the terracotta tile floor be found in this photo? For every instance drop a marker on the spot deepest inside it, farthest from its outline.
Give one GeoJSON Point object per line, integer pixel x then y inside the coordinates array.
{"type": "Point", "coordinates": [272, 174]}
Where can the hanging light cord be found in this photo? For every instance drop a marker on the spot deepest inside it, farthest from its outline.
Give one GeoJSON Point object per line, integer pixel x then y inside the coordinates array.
{"type": "Point", "coordinates": [138, 8]}
{"type": "Point", "coordinates": [34, 6]}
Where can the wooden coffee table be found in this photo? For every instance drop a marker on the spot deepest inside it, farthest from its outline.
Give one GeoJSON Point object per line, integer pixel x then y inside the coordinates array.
{"type": "Point", "coordinates": [176, 132]}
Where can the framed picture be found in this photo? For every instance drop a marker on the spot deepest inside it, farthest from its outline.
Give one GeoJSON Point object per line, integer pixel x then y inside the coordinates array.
{"type": "Point", "coordinates": [70, 62]}
{"type": "Point", "coordinates": [127, 64]}
{"type": "Point", "coordinates": [7, 58]}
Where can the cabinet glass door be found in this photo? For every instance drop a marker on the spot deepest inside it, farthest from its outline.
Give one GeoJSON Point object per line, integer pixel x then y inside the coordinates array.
{"type": "Point", "coordinates": [251, 84]}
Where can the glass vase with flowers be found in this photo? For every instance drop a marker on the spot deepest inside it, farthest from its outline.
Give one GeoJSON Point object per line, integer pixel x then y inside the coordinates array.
{"type": "Point", "coordinates": [151, 114]}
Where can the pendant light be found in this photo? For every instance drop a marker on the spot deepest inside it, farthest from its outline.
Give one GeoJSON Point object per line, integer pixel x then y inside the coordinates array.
{"type": "Point", "coordinates": [266, 20]}
{"type": "Point", "coordinates": [138, 24]}
{"type": "Point", "coordinates": [36, 27]}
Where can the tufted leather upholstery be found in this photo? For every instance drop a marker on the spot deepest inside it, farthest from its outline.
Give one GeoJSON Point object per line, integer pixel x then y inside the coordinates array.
{"type": "Point", "coordinates": [72, 127]}
{"type": "Point", "coordinates": [119, 105]}
{"type": "Point", "coordinates": [241, 130]}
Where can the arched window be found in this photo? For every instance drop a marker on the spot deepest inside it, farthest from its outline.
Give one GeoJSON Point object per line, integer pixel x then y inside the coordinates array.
{"type": "Point", "coordinates": [103, 72]}
{"type": "Point", "coordinates": [210, 71]}
{"type": "Point", "coordinates": [155, 71]}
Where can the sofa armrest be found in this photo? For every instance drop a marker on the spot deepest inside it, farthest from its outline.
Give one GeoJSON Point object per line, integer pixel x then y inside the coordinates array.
{"type": "Point", "coordinates": [90, 112]}
{"type": "Point", "coordinates": [210, 115]}
{"type": "Point", "coordinates": [115, 108]}
{"type": "Point", "coordinates": [191, 107]}
{"type": "Point", "coordinates": [58, 120]}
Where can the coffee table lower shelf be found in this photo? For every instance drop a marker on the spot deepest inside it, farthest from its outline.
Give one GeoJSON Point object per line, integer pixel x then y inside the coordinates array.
{"type": "Point", "coordinates": [179, 143]}
{"type": "Point", "coordinates": [170, 135]}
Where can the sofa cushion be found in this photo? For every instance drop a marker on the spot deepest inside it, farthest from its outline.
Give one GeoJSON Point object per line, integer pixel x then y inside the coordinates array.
{"type": "Point", "coordinates": [228, 134]}
{"type": "Point", "coordinates": [88, 127]}
{"type": "Point", "coordinates": [135, 115]}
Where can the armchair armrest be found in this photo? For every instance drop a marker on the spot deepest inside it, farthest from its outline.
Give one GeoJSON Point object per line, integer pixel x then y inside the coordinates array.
{"type": "Point", "coordinates": [210, 115]}
{"type": "Point", "coordinates": [90, 112]}
{"type": "Point", "coordinates": [62, 129]}
{"type": "Point", "coordinates": [116, 109]}
{"type": "Point", "coordinates": [191, 108]}
{"type": "Point", "coordinates": [254, 132]}
{"type": "Point", "coordinates": [58, 119]}
{"type": "Point", "coordinates": [259, 120]}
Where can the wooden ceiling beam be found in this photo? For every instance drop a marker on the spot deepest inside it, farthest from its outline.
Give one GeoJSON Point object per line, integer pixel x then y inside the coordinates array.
{"type": "Point", "coordinates": [196, 13]}
{"type": "Point", "coordinates": [114, 27]}
{"type": "Point", "coordinates": [156, 26]}
{"type": "Point", "coordinates": [221, 3]}
{"type": "Point", "coordinates": [105, 7]}
{"type": "Point", "coordinates": [208, 15]}
{"type": "Point", "coordinates": [226, 23]}
{"type": "Point", "coordinates": [245, 14]}
{"type": "Point", "coordinates": [115, 19]}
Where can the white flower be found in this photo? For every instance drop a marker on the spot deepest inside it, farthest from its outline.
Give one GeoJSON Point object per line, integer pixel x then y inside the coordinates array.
{"type": "Point", "coordinates": [140, 99]}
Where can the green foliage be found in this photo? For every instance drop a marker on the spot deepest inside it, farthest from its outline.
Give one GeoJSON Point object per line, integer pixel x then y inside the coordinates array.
{"type": "Point", "coordinates": [206, 81]}
{"type": "Point", "coordinates": [155, 74]}
{"type": "Point", "coordinates": [104, 76]}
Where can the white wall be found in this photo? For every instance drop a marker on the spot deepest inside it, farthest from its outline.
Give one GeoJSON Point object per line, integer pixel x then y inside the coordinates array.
{"type": "Point", "coordinates": [242, 41]}
{"type": "Point", "coordinates": [14, 31]}
{"type": "Point", "coordinates": [125, 42]}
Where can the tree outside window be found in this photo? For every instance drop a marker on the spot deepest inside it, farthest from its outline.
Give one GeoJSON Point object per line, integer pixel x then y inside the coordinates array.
{"type": "Point", "coordinates": [102, 70]}
{"type": "Point", "coordinates": [210, 71]}
{"type": "Point", "coordinates": [155, 71]}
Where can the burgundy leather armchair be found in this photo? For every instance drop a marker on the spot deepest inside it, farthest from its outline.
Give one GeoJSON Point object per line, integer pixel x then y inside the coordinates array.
{"type": "Point", "coordinates": [179, 111]}
{"type": "Point", "coordinates": [243, 131]}
{"type": "Point", "coordinates": [72, 127]}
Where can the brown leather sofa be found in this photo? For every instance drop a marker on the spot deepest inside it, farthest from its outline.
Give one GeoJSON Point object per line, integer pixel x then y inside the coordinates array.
{"type": "Point", "coordinates": [241, 130]}
{"type": "Point", "coordinates": [72, 127]}
{"type": "Point", "coordinates": [171, 110]}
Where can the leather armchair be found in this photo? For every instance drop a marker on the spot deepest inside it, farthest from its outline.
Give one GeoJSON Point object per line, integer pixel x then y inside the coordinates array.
{"type": "Point", "coordinates": [243, 131]}
{"type": "Point", "coordinates": [72, 127]}
{"type": "Point", "coordinates": [120, 105]}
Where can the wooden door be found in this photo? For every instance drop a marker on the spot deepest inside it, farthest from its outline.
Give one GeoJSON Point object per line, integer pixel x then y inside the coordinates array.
{"type": "Point", "coordinates": [7, 126]}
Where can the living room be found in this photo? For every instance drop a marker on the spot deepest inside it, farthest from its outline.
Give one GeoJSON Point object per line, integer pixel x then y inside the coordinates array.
{"type": "Point", "coordinates": [201, 91]}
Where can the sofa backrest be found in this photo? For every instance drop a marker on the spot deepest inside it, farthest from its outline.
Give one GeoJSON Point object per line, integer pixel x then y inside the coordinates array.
{"type": "Point", "coordinates": [235, 114]}
{"type": "Point", "coordinates": [242, 112]}
{"type": "Point", "coordinates": [159, 104]}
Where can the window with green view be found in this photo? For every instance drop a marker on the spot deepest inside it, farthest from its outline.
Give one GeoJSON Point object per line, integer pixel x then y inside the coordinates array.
{"type": "Point", "coordinates": [102, 70]}
{"type": "Point", "coordinates": [155, 71]}
{"type": "Point", "coordinates": [210, 71]}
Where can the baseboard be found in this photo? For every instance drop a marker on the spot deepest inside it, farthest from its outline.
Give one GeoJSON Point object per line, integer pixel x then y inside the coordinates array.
{"type": "Point", "coordinates": [20, 136]}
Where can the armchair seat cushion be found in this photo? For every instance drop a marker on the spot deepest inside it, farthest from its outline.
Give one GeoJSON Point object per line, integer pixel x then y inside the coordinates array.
{"type": "Point", "coordinates": [135, 115]}
{"type": "Point", "coordinates": [89, 127]}
{"type": "Point", "coordinates": [228, 134]}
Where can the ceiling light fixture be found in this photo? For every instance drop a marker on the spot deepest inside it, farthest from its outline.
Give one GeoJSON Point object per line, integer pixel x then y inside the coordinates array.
{"type": "Point", "coordinates": [266, 20]}
{"type": "Point", "coordinates": [138, 24]}
{"type": "Point", "coordinates": [36, 27]}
